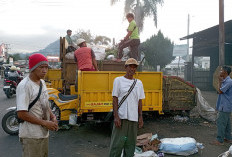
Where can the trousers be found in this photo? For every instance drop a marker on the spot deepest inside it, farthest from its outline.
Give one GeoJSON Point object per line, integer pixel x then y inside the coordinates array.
{"type": "Point", "coordinates": [34, 147]}
{"type": "Point", "coordinates": [223, 126]}
{"type": "Point", "coordinates": [123, 139]}
{"type": "Point", "coordinates": [133, 44]}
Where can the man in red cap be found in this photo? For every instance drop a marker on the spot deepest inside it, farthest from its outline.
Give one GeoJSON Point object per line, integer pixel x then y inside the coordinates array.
{"type": "Point", "coordinates": [38, 119]}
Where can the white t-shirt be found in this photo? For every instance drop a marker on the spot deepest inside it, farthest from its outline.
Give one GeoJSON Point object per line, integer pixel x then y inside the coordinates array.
{"type": "Point", "coordinates": [129, 108]}
{"type": "Point", "coordinates": [26, 92]}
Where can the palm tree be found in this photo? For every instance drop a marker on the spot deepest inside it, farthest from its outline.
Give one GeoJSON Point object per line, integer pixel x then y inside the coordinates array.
{"type": "Point", "coordinates": [141, 9]}
{"type": "Point", "coordinates": [102, 39]}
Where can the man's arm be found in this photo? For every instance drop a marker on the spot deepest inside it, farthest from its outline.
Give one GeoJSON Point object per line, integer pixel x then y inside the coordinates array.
{"type": "Point", "coordinates": [53, 117]}
{"type": "Point", "coordinates": [128, 35]}
{"type": "Point", "coordinates": [140, 112]}
{"type": "Point", "coordinates": [220, 79]}
{"type": "Point", "coordinates": [95, 64]}
{"type": "Point", "coordinates": [94, 60]}
{"type": "Point", "coordinates": [117, 120]}
{"type": "Point", "coordinates": [26, 116]}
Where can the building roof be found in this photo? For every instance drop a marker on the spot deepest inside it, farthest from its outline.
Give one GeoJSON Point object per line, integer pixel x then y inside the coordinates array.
{"type": "Point", "coordinates": [212, 32]}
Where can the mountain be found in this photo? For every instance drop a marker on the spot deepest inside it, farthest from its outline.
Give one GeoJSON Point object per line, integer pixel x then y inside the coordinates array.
{"type": "Point", "coordinates": [52, 49]}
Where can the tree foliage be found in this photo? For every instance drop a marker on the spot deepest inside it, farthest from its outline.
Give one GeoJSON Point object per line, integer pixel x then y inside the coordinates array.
{"type": "Point", "coordinates": [157, 50]}
{"type": "Point", "coordinates": [141, 9]}
{"type": "Point", "coordinates": [87, 35]}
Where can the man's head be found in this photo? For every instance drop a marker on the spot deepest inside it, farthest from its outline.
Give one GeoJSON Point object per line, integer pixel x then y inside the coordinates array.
{"type": "Point", "coordinates": [81, 42]}
{"type": "Point", "coordinates": [225, 71]}
{"type": "Point", "coordinates": [130, 17]}
{"type": "Point", "coordinates": [69, 32]}
{"type": "Point", "coordinates": [38, 65]}
{"type": "Point", "coordinates": [131, 66]}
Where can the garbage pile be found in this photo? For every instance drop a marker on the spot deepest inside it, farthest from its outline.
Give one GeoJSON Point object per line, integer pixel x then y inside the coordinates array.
{"type": "Point", "coordinates": [99, 50]}
{"type": "Point", "coordinates": [149, 145]}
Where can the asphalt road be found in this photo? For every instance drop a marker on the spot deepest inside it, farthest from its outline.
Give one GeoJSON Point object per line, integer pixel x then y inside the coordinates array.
{"type": "Point", "coordinates": [85, 141]}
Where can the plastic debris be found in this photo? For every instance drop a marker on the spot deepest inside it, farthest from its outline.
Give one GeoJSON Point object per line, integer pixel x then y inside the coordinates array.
{"type": "Point", "coordinates": [181, 119]}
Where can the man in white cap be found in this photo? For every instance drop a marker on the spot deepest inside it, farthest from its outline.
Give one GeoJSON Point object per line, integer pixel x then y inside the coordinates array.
{"type": "Point", "coordinates": [85, 57]}
{"type": "Point", "coordinates": [37, 118]}
{"type": "Point", "coordinates": [127, 95]}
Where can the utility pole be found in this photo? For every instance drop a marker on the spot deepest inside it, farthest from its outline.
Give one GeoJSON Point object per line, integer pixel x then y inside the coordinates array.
{"type": "Point", "coordinates": [187, 57]}
{"type": "Point", "coordinates": [221, 33]}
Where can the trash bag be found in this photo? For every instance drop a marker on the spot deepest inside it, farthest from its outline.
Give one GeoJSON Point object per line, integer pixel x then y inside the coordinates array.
{"type": "Point", "coordinates": [146, 154]}
{"type": "Point", "coordinates": [70, 55]}
{"type": "Point", "coordinates": [184, 146]}
{"type": "Point", "coordinates": [203, 108]}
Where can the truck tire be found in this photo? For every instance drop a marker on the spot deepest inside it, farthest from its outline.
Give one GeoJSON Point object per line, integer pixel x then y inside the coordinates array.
{"type": "Point", "coordinates": [10, 124]}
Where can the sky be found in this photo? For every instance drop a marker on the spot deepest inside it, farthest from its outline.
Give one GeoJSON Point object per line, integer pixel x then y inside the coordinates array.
{"type": "Point", "coordinates": [30, 25]}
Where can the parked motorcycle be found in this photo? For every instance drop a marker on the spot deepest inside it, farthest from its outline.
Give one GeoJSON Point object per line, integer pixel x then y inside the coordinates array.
{"type": "Point", "coordinates": [10, 84]}
{"type": "Point", "coordinates": [9, 87]}
{"type": "Point", "coordinates": [10, 124]}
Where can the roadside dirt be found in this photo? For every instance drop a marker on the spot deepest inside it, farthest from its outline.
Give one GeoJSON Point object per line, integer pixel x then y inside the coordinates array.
{"type": "Point", "coordinates": [93, 140]}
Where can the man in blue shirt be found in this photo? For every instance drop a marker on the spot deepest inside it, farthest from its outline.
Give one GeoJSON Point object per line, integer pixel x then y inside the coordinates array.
{"type": "Point", "coordinates": [224, 107]}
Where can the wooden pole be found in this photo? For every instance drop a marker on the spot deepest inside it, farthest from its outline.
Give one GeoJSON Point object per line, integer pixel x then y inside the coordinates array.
{"type": "Point", "coordinates": [221, 33]}
{"type": "Point", "coordinates": [187, 58]}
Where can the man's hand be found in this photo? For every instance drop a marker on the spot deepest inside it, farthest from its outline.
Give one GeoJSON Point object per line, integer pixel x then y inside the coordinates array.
{"type": "Point", "coordinates": [117, 121]}
{"type": "Point", "coordinates": [140, 121]}
{"type": "Point", "coordinates": [220, 78]}
{"type": "Point", "coordinates": [51, 125]}
{"type": "Point", "coordinates": [125, 38]}
{"type": "Point", "coordinates": [53, 119]}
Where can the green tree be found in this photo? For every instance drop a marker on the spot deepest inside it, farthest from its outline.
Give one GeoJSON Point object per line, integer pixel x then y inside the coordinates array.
{"type": "Point", "coordinates": [141, 9]}
{"type": "Point", "coordinates": [157, 50]}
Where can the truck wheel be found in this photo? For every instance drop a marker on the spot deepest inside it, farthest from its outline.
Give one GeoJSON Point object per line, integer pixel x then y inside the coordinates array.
{"type": "Point", "coordinates": [10, 124]}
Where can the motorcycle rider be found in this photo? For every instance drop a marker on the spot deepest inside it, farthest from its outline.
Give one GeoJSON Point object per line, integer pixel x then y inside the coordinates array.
{"type": "Point", "coordinates": [13, 75]}
{"type": "Point", "coordinates": [33, 132]}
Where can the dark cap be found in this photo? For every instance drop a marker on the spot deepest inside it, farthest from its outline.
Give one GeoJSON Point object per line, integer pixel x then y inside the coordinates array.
{"type": "Point", "coordinates": [69, 30]}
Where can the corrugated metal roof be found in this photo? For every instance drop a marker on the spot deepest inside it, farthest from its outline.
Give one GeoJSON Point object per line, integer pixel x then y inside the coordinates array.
{"type": "Point", "coordinates": [210, 32]}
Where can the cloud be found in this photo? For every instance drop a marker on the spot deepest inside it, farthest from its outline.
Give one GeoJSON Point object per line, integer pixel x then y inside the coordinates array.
{"type": "Point", "coordinates": [30, 43]}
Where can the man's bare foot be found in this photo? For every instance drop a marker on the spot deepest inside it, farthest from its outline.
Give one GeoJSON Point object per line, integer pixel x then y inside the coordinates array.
{"type": "Point", "coordinates": [227, 141]}
{"type": "Point", "coordinates": [118, 60]}
{"type": "Point", "coordinates": [217, 143]}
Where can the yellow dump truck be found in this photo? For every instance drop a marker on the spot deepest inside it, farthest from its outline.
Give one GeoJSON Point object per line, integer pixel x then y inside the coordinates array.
{"type": "Point", "coordinates": [88, 94]}
{"type": "Point", "coordinates": [93, 98]}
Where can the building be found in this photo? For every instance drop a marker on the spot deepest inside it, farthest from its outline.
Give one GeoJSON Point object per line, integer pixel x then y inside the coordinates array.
{"type": "Point", "coordinates": [206, 44]}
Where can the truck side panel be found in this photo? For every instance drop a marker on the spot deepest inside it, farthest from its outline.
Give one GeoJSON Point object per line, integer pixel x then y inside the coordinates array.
{"type": "Point", "coordinates": [95, 89]}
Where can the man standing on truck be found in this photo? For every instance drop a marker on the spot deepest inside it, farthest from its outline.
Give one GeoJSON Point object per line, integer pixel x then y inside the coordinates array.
{"type": "Point", "coordinates": [71, 47]}
{"type": "Point", "coordinates": [131, 40]}
{"type": "Point", "coordinates": [33, 108]}
{"type": "Point", "coordinates": [224, 107]}
{"type": "Point", "coordinates": [127, 95]}
{"type": "Point", "coordinates": [85, 57]}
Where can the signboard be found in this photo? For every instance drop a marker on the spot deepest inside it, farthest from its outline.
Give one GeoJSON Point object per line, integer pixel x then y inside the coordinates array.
{"type": "Point", "coordinates": [11, 60]}
{"type": "Point", "coordinates": [180, 50]}
{"type": "Point", "coordinates": [98, 104]}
